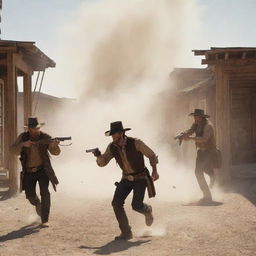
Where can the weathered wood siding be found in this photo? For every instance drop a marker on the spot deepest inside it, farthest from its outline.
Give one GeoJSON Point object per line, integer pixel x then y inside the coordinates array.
{"type": "Point", "coordinates": [243, 118]}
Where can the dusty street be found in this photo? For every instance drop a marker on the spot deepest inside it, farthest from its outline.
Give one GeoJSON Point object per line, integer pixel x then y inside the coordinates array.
{"type": "Point", "coordinates": [87, 227]}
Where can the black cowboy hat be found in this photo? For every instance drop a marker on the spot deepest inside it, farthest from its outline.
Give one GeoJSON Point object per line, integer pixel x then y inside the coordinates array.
{"type": "Point", "coordinates": [199, 112]}
{"type": "Point", "coordinates": [33, 123]}
{"type": "Point", "coordinates": [116, 127]}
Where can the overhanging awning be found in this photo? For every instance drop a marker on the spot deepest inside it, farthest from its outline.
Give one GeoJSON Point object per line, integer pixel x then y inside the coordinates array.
{"type": "Point", "coordinates": [207, 83]}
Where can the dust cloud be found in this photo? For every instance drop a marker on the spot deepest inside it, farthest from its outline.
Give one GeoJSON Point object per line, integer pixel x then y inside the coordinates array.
{"type": "Point", "coordinates": [117, 56]}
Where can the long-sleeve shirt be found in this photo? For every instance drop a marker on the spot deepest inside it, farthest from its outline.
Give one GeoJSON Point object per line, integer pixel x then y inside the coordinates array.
{"type": "Point", "coordinates": [140, 146]}
{"type": "Point", "coordinates": [33, 158]}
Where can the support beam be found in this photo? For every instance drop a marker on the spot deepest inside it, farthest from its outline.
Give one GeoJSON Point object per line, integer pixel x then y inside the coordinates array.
{"type": "Point", "coordinates": [230, 61]}
{"type": "Point", "coordinates": [7, 49]}
{"type": "Point", "coordinates": [11, 121]}
{"type": "Point", "coordinates": [223, 122]}
{"type": "Point", "coordinates": [2, 124]}
{"type": "Point", "coordinates": [27, 87]}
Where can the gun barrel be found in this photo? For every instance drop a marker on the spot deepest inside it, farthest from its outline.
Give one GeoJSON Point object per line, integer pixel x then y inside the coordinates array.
{"type": "Point", "coordinates": [63, 138]}
{"type": "Point", "coordinates": [91, 150]}
{"type": "Point", "coordinates": [179, 136]}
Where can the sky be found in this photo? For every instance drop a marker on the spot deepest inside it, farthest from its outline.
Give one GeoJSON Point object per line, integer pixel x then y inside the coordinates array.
{"type": "Point", "coordinates": [221, 24]}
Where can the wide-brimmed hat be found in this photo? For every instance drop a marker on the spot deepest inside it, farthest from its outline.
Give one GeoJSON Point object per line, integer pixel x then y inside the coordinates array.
{"type": "Point", "coordinates": [116, 127]}
{"type": "Point", "coordinates": [199, 112]}
{"type": "Point", "coordinates": [33, 123]}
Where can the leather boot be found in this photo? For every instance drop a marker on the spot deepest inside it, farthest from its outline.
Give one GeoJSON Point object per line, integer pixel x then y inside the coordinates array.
{"type": "Point", "coordinates": [38, 209]}
{"type": "Point", "coordinates": [124, 236]}
{"type": "Point", "coordinates": [149, 216]}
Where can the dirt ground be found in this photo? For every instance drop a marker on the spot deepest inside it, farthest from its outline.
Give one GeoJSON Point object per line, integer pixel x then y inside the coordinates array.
{"type": "Point", "coordinates": [87, 227]}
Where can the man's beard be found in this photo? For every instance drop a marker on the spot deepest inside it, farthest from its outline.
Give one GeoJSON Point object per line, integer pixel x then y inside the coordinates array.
{"type": "Point", "coordinates": [118, 141]}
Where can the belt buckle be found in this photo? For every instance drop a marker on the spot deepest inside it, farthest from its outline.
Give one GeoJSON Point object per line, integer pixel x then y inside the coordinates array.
{"type": "Point", "coordinates": [34, 169]}
{"type": "Point", "coordinates": [130, 178]}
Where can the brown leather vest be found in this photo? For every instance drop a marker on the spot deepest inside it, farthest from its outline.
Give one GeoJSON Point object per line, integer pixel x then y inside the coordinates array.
{"type": "Point", "coordinates": [134, 157]}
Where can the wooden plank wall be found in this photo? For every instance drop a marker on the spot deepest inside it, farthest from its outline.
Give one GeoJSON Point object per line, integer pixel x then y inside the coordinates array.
{"type": "Point", "coordinates": [243, 118]}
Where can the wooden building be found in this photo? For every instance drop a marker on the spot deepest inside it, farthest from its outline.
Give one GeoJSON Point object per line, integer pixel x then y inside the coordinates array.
{"type": "Point", "coordinates": [226, 89]}
{"type": "Point", "coordinates": [17, 59]}
{"type": "Point", "coordinates": [46, 107]}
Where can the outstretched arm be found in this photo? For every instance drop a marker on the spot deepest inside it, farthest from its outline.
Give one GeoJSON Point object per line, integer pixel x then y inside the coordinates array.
{"type": "Point", "coordinates": [208, 133]}
{"type": "Point", "coordinates": [53, 147]}
{"type": "Point", "coordinates": [103, 160]}
{"type": "Point", "coordinates": [189, 132]}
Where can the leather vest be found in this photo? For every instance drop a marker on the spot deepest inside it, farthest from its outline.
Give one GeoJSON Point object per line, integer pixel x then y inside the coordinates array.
{"type": "Point", "coordinates": [134, 157]}
{"type": "Point", "coordinates": [43, 150]}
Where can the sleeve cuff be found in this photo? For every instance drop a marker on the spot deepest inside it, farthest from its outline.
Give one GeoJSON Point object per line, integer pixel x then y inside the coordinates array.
{"type": "Point", "coordinates": [154, 161]}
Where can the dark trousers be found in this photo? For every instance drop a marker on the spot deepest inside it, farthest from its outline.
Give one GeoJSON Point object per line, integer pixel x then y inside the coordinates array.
{"type": "Point", "coordinates": [123, 189]}
{"type": "Point", "coordinates": [204, 164]}
{"type": "Point", "coordinates": [30, 180]}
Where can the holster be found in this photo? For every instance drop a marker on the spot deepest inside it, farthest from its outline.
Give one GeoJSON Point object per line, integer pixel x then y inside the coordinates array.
{"type": "Point", "coordinates": [21, 181]}
{"type": "Point", "coordinates": [142, 175]}
{"type": "Point", "coordinates": [150, 185]}
{"type": "Point", "coordinates": [22, 161]}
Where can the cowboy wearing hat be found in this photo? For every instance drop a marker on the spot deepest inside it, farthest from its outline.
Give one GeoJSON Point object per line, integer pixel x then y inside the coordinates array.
{"type": "Point", "coordinates": [205, 143]}
{"type": "Point", "coordinates": [36, 166]}
{"type": "Point", "coordinates": [129, 154]}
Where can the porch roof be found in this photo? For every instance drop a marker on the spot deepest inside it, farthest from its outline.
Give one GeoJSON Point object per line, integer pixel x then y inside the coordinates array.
{"type": "Point", "coordinates": [216, 55]}
{"type": "Point", "coordinates": [30, 52]}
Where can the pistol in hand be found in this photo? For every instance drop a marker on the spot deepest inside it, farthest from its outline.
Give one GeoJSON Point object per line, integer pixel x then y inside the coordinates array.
{"type": "Point", "coordinates": [180, 137]}
{"type": "Point", "coordinates": [95, 151]}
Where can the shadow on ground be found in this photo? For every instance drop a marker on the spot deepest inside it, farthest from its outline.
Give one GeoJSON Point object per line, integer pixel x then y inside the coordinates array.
{"type": "Point", "coordinates": [22, 232]}
{"type": "Point", "coordinates": [197, 203]}
{"type": "Point", "coordinates": [246, 188]}
{"type": "Point", "coordinates": [5, 195]}
{"type": "Point", "coordinates": [114, 246]}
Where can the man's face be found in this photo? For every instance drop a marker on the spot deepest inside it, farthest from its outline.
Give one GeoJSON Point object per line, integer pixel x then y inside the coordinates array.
{"type": "Point", "coordinates": [117, 136]}
{"type": "Point", "coordinates": [198, 119]}
{"type": "Point", "coordinates": [34, 131]}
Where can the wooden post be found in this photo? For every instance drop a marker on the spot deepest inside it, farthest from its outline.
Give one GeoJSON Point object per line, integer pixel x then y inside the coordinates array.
{"type": "Point", "coordinates": [11, 121]}
{"type": "Point", "coordinates": [27, 96]}
{"type": "Point", "coordinates": [222, 116]}
{"type": "Point", "coordinates": [2, 124]}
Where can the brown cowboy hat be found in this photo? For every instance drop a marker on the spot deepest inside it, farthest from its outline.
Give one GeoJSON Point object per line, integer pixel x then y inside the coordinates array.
{"type": "Point", "coordinates": [33, 123]}
{"type": "Point", "coordinates": [116, 127]}
{"type": "Point", "coordinates": [199, 112]}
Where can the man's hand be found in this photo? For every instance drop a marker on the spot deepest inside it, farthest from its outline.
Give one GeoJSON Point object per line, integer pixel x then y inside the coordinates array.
{"type": "Point", "coordinates": [185, 137]}
{"type": "Point", "coordinates": [155, 176]}
{"type": "Point", "coordinates": [96, 153]}
{"type": "Point", "coordinates": [55, 143]}
{"type": "Point", "coordinates": [27, 144]}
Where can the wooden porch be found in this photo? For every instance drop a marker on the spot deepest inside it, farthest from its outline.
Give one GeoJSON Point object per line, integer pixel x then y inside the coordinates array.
{"type": "Point", "coordinates": [17, 59]}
